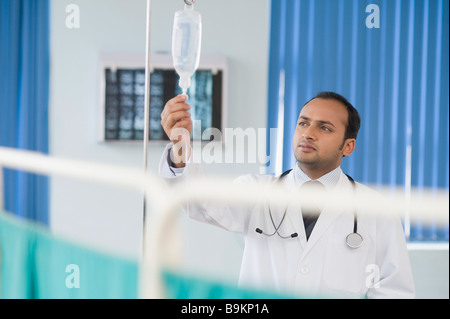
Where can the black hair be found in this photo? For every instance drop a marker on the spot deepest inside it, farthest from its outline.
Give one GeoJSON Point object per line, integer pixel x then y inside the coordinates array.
{"type": "Point", "coordinates": [353, 119]}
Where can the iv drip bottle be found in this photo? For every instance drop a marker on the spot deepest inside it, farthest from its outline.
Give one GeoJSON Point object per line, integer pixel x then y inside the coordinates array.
{"type": "Point", "coordinates": [186, 44]}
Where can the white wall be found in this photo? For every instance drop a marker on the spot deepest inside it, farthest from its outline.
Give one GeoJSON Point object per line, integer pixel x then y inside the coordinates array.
{"type": "Point", "coordinates": [430, 271]}
{"type": "Point", "coordinates": [111, 219]}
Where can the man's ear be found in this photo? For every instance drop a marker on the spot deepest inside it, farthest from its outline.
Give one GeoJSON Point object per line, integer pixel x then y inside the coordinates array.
{"type": "Point", "coordinates": [349, 146]}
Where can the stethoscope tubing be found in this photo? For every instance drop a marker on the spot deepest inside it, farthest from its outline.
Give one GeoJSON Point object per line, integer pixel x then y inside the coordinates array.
{"type": "Point", "coordinates": [353, 240]}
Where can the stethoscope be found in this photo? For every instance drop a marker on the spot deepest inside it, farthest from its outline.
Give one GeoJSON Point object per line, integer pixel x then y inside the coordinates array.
{"type": "Point", "coordinates": [353, 240]}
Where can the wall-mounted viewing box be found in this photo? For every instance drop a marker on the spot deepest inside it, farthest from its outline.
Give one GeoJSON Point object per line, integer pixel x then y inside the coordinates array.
{"type": "Point", "coordinates": [123, 95]}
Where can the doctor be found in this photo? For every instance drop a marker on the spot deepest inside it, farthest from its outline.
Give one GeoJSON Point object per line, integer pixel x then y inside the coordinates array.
{"type": "Point", "coordinates": [309, 256]}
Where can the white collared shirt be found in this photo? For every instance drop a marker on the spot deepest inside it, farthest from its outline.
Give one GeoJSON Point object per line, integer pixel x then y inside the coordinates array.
{"type": "Point", "coordinates": [329, 180]}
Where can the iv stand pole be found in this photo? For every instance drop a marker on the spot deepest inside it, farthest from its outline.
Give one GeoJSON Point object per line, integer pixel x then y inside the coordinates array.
{"type": "Point", "coordinates": [146, 108]}
{"type": "Point", "coordinates": [147, 102]}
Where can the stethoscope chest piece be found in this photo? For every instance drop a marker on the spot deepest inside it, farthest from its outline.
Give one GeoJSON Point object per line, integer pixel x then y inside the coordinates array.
{"type": "Point", "coordinates": [354, 240]}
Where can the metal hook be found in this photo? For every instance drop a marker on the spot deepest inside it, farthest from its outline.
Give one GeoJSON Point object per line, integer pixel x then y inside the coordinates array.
{"type": "Point", "coordinates": [189, 3]}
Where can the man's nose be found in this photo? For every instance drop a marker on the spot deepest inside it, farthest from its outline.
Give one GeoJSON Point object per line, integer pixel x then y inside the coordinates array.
{"type": "Point", "coordinates": [308, 133]}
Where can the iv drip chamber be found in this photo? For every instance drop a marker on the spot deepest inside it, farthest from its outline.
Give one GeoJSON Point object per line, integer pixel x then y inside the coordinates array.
{"type": "Point", "coordinates": [186, 44]}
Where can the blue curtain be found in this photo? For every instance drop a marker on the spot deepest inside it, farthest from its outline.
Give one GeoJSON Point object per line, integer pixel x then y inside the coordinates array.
{"type": "Point", "coordinates": [397, 76]}
{"type": "Point", "coordinates": [24, 86]}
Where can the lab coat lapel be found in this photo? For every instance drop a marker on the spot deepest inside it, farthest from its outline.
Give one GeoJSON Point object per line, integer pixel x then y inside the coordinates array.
{"type": "Point", "coordinates": [294, 216]}
{"type": "Point", "coordinates": [296, 220]}
{"type": "Point", "coordinates": [328, 214]}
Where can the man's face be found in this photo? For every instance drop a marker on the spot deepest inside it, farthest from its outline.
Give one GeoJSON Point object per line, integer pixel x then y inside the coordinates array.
{"type": "Point", "coordinates": [319, 137]}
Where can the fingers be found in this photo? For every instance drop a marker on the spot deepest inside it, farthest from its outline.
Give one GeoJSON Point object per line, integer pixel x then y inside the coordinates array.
{"type": "Point", "coordinates": [174, 105]}
{"type": "Point", "coordinates": [175, 118]}
{"type": "Point", "coordinates": [185, 123]}
{"type": "Point", "coordinates": [171, 119]}
{"type": "Point", "coordinates": [181, 130]}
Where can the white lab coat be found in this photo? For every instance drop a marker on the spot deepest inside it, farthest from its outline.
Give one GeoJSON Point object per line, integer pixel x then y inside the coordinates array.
{"type": "Point", "coordinates": [323, 266]}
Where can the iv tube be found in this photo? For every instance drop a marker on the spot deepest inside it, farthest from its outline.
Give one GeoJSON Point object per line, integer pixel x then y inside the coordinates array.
{"type": "Point", "coordinates": [186, 44]}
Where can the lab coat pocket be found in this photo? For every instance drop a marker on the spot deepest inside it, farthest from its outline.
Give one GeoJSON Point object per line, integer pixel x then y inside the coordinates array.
{"type": "Point", "coordinates": [344, 268]}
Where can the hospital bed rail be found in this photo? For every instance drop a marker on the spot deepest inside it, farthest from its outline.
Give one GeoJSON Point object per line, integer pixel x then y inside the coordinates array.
{"type": "Point", "coordinates": [166, 201]}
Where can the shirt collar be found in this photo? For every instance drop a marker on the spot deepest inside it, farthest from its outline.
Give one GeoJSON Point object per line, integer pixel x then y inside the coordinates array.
{"type": "Point", "coordinates": [329, 180]}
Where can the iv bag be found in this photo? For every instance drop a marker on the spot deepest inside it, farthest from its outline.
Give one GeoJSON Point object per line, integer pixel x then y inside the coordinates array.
{"type": "Point", "coordinates": [186, 44]}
